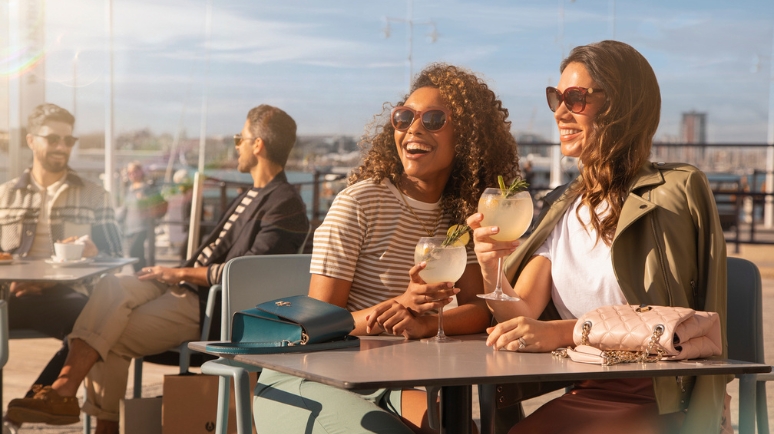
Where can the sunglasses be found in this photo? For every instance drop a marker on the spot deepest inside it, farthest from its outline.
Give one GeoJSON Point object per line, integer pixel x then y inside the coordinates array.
{"type": "Point", "coordinates": [54, 139]}
{"type": "Point", "coordinates": [238, 139]}
{"type": "Point", "coordinates": [434, 119]}
{"type": "Point", "coordinates": [574, 98]}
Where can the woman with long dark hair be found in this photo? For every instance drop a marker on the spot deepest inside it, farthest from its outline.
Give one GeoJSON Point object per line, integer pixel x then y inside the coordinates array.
{"type": "Point", "coordinates": [626, 231]}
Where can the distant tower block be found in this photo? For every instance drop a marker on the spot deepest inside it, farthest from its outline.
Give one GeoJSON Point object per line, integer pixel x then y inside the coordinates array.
{"type": "Point", "coordinates": [694, 130]}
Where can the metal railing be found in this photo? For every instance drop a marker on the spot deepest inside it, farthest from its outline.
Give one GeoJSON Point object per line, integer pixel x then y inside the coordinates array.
{"type": "Point", "coordinates": [317, 211]}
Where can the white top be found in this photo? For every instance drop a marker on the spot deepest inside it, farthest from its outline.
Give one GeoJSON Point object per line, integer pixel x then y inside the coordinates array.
{"type": "Point", "coordinates": [42, 246]}
{"type": "Point", "coordinates": [581, 268]}
{"type": "Point", "coordinates": [368, 238]}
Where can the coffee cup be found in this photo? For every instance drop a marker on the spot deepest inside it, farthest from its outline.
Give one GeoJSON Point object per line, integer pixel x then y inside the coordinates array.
{"type": "Point", "coordinates": [66, 252]}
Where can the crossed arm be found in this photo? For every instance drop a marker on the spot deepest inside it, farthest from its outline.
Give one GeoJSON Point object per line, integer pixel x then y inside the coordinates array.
{"type": "Point", "coordinates": [406, 315]}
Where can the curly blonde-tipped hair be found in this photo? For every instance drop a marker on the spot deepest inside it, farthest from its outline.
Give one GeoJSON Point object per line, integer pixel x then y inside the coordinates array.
{"type": "Point", "coordinates": [483, 144]}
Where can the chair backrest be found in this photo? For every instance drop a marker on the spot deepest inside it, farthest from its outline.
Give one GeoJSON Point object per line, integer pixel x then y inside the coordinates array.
{"type": "Point", "coordinates": [745, 318]}
{"type": "Point", "coordinates": [250, 280]}
{"type": "Point", "coordinates": [3, 333]}
{"type": "Point", "coordinates": [306, 239]}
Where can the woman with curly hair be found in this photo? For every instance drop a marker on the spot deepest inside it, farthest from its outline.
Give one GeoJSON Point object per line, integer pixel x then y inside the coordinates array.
{"type": "Point", "coordinates": [424, 169]}
{"type": "Point", "coordinates": [626, 231]}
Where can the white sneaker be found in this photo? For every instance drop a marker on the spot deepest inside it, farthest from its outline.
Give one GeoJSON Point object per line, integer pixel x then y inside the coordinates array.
{"type": "Point", "coordinates": [10, 427]}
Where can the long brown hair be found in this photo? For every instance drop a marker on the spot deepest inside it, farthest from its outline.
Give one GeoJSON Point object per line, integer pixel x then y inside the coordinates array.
{"type": "Point", "coordinates": [623, 129]}
{"type": "Point", "coordinates": [483, 144]}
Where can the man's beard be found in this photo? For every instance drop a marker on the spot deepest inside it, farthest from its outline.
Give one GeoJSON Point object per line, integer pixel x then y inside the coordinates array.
{"type": "Point", "coordinates": [54, 166]}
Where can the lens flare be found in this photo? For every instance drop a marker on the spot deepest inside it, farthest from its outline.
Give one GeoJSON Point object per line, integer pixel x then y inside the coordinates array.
{"type": "Point", "coordinates": [19, 62]}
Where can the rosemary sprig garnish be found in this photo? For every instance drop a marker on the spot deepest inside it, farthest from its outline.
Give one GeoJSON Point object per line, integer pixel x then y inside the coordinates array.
{"type": "Point", "coordinates": [455, 233]}
{"type": "Point", "coordinates": [516, 186]}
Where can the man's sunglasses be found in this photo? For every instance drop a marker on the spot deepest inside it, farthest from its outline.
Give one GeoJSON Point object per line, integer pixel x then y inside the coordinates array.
{"type": "Point", "coordinates": [54, 139]}
{"type": "Point", "coordinates": [238, 139]}
{"type": "Point", "coordinates": [432, 119]}
{"type": "Point", "coordinates": [573, 97]}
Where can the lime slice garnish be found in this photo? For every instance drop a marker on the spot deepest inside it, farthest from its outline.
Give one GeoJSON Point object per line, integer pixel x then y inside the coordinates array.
{"type": "Point", "coordinates": [463, 237]}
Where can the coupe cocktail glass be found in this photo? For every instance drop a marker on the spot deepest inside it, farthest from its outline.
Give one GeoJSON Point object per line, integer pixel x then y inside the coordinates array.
{"type": "Point", "coordinates": [444, 264]}
{"type": "Point", "coordinates": [513, 215]}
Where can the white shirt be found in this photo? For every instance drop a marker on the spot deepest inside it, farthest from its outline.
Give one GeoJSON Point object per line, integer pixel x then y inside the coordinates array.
{"type": "Point", "coordinates": [41, 244]}
{"type": "Point", "coordinates": [581, 268]}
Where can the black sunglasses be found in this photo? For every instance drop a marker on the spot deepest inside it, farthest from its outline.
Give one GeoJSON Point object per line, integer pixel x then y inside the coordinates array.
{"type": "Point", "coordinates": [432, 119]}
{"type": "Point", "coordinates": [54, 139]}
{"type": "Point", "coordinates": [574, 98]}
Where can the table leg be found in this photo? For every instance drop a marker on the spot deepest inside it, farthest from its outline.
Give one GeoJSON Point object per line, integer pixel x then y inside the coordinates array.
{"type": "Point", "coordinates": [747, 404]}
{"type": "Point", "coordinates": [456, 409]}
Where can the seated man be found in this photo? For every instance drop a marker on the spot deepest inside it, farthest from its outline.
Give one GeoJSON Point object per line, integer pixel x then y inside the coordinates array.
{"type": "Point", "coordinates": [129, 316]}
{"type": "Point", "coordinates": [49, 202]}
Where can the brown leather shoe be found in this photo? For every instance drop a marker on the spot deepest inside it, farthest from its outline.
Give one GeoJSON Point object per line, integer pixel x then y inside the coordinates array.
{"type": "Point", "coordinates": [46, 406]}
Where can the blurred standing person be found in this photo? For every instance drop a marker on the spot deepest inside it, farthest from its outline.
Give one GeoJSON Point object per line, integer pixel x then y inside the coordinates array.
{"type": "Point", "coordinates": [47, 203]}
{"type": "Point", "coordinates": [143, 205]}
{"type": "Point", "coordinates": [184, 192]}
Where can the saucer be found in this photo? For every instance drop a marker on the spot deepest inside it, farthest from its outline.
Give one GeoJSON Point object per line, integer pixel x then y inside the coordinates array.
{"type": "Point", "coordinates": [6, 261]}
{"type": "Point", "coordinates": [58, 263]}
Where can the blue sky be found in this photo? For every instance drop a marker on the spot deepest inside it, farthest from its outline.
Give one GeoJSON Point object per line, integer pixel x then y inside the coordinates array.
{"type": "Point", "coordinates": [331, 67]}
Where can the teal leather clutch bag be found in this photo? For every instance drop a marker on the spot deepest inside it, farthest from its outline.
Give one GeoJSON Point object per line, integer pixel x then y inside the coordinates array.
{"type": "Point", "coordinates": [292, 324]}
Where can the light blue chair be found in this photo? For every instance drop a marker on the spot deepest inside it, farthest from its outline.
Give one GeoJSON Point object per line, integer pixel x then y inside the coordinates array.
{"type": "Point", "coordinates": [248, 281]}
{"type": "Point", "coordinates": [745, 339]}
{"type": "Point", "coordinates": [182, 349]}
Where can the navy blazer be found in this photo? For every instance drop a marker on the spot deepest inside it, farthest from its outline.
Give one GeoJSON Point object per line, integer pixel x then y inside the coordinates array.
{"type": "Point", "coordinates": [274, 223]}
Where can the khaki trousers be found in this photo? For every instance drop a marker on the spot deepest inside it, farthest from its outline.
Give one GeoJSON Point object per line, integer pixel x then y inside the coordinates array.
{"type": "Point", "coordinates": [127, 318]}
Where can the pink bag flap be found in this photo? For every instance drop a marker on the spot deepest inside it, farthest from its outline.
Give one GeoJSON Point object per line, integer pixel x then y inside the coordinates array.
{"type": "Point", "coordinates": [687, 333]}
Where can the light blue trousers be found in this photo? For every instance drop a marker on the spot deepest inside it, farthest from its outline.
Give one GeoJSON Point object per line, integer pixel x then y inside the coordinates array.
{"type": "Point", "coordinates": [289, 404]}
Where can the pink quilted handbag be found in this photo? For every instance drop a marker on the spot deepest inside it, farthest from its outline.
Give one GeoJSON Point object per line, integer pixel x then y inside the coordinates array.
{"type": "Point", "coordinates": [627, 333]}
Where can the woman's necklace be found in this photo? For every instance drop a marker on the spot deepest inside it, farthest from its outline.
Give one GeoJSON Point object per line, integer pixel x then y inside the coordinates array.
{"type": "Point", "coordinates": [429, 233]}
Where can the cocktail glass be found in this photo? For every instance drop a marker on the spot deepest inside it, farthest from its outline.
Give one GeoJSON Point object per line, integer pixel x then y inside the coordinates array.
{"type": "Point", "coordinates": [513, 215]}
{"type": "Point", "coordinates": [444, 264]}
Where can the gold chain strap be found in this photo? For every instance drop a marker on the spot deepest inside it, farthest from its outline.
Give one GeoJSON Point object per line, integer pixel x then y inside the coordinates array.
{"type": "Point", "coordinates": [653, 353]}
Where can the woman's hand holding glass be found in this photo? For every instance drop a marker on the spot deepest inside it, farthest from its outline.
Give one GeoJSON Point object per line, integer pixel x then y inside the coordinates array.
{"type": "Point", "coordinates": [489, 251]}
{"type": "Point", "coordinates": [511, 213]}
{"type": "Point", "coordinates": [394, 316]}
{"type": "Point", "coordinates": [421, 297]}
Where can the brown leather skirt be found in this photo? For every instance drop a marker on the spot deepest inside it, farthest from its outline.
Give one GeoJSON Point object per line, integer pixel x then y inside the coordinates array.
{"type": "Point", "coordinates": [602, 406]}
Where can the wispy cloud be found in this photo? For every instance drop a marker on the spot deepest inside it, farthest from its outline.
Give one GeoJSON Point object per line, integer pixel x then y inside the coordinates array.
{"type": "Point", "coordinates": [311, 56]}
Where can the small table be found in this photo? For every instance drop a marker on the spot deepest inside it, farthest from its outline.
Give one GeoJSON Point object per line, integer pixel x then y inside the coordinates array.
{"type": "Point", "coordinates": [25, 270]}
{"type": "Point", "coordinates": [383, 361]}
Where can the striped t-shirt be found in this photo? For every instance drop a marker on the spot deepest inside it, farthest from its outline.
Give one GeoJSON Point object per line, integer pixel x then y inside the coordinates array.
{"type": "Point", "coordinates": [368, 238]}
{"type": "Point", "coordinates": [214, 272]}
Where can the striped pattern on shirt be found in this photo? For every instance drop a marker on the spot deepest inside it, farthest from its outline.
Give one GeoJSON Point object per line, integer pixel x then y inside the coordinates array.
{"type": "Point", "coordinates": [368, 238]}
{"type": "Point", "coordinates": [203, 258]}
{"type": "Point", "coordinates": [79, 203]}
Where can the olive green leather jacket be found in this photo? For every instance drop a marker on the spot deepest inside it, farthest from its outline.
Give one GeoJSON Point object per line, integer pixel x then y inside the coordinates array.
{"type": "Point", "coordinates": [668, 250]}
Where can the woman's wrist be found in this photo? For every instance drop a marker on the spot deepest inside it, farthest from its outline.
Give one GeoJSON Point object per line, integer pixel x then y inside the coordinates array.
{"type": "Point", "coordinates": [563, 329]}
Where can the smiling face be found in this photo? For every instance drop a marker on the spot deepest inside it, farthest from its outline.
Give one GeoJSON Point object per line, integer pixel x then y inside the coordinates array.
{"type": "Point", "coordinates": [426, 155]}
{"type": "Point", "coordinates": [52, 157]}
{"type": "Point", "coordinates": [575, 128]}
